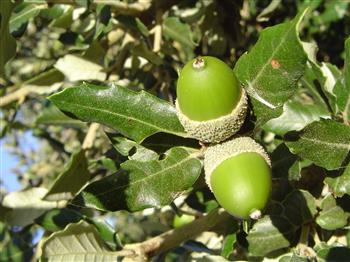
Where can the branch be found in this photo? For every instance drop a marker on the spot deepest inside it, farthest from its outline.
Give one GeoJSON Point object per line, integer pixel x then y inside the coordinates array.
{"type": "Point", "coordinates": [173, 238]}
{"type": "Point", "coordinates": [125, 8]}
{"type": "Point", "coordinates": [19, 95]}
{"type": "Point", "coordinates": [90, 136]}
{"type": "Point", "coordinates": [117, 6]}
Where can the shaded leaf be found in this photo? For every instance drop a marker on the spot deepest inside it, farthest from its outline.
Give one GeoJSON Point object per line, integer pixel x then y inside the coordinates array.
{"type": "Point", "coordinates": [268, 11]}
{"type": "Point", "coordinates": [326, 143]}
{"type": "Point", "coordinates": [71, 180]}
{"type": "Point", "coordinates": [143, 51]}
{"type": "Point", "coordinates": [7, 42]}
{"type": "Point", "coordinates": [270, 71]}
{"type": "Point", "coordinates": [299, 207]}
{"type": "Point", "coordinates": [135, 115]}
{"type": "Point", "coordinates": [140, 185]}
{"type": "Point", "coordinates": [57, 219]}
{"type": "Point", "coordinates": [342, 88]}
{"type": "Point", "coordinates": [27, 205]}
{"type": "Point", "coordinates": [45, 82]}
{"type": "Point", "coordinates": [331, 216]}
{"type": "Point", "coordinates": [337, 254]}
{"type": "Point", "coordinates": [77, 242]}
{"type": "Point", "coordinates": [15, 247]}
{"type": "Point", "coordinates": [340, 185]}
{"type": "Point", "coordinates": [282, 160]}
{"type": "Point", "coordinates": [124, 146]}
{"type": "Point", "coordinates": [268, 234]}
{"type": "Point", "coordinates": [174, 29]}
{"type": "Point", "coordinates": [53, 116]}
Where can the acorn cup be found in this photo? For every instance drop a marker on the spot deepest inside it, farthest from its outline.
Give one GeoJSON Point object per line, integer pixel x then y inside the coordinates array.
{"type": "Point", "coordinates": [238, 172]}
{"type": "Point", "coordinates": [211, 105]}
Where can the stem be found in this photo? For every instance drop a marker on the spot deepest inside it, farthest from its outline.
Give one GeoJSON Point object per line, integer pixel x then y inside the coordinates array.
{"type": "Point", "coordinates": [175, 237]}
{"type": "Point", "coordinates": [158, 31]}
{"type": "Point", "coordinates": [18, 95]}
{"type": "Point", "coordinates": [90, 136]}
{"type": "Point", "coordinates": [198, 63]}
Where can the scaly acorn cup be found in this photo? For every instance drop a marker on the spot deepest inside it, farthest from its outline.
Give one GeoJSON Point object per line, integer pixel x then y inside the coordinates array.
{"type": "Point", "coordinates": [211, 105]}
{"type": "Point", "coordinates": [238, 172]}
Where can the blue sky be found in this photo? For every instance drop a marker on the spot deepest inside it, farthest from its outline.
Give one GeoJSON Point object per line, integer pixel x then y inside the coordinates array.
{"type": "Point", "coordinates": [9, 161]}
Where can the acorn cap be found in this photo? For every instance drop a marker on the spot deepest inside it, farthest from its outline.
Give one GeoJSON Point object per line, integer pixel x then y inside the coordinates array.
{"type": "Point", "coordinates": [216, 154]}
{"type": "Point", "coordinates": [218, 129]}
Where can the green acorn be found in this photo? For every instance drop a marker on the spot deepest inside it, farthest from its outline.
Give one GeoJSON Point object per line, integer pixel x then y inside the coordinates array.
{"type": "Point", "coordinates": [238, 172]}
{"type": "Point", "coordinates": [211, 104]}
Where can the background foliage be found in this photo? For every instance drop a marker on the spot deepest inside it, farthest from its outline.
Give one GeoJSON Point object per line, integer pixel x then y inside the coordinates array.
{"type": "Point", "coordinates": [94, 82]}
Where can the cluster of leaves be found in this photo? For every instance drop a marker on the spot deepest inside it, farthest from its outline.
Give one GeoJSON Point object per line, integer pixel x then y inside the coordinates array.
{"type": "Point", "coordinates": [94, 82]}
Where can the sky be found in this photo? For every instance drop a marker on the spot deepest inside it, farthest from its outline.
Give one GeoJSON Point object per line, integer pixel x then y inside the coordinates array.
{"type": "Point", "coordinates": [9, 161]}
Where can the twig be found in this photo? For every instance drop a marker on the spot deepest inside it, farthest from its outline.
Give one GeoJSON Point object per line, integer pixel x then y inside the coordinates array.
{"type": "Point", "coordinates": [90, 136]}
{"type": "Point", "coordinates": [18, 95]}
{"type": "Point", "coordinates": [125, 8]}
{"type": "Point", "coordinates": [117, 6]}
{"type": "Point", "coordinates": [173, 238]}
{"type": "Point", "coordinates": [158, 31]}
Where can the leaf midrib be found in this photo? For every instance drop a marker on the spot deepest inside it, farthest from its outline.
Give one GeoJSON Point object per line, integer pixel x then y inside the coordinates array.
{"type": "Point", "coordinates": [125, 117]}
{"type": "Point", "coordinates": [338, 145]}
{"type": "Point", "coordinates": [34, 9]}
{"type": "Point", "coordinates": [189, 157]}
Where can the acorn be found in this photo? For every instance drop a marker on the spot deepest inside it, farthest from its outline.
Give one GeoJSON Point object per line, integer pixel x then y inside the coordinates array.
{"type": "Point", "coordinates": [211, 105]}
{"type": "Point", "coordinates": [238, 172]}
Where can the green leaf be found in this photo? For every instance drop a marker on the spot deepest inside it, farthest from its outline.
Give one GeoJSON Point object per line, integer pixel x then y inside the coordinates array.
{"type": "Point", "coordinates": [71, 180]}
{"type": "Point", "coordinates": [299, 207]}
{"type": "Point", "coordinates": [135, 115]}
{"type": "Point", "coordinates": [331, 216]}
{"type": "Point", "coordinates": [326, 143]}
{"type": "Point", "coordinates": [77, 242]}
{"type": "Point", "coordinates": [340, 185]}
{"type": "Point", "coordinates": [270, 71]}
{"type": "Point", "coordinates": [65, 20]}
{"type": "Point", "coordinates": [174, 29]}
{"type": "Point", "coordinates": [293, 258]}
{"type": "Point", "coordinates": [268, 234]}
{"type": "Point", "coordinates": [106, 232]}
{"type": "Point", "coordinates": [140, 185]}
{"type": "Point", "coordinates": [342, 88]}
{"type": "Point", "coordinates": [29, 11]}
{"type": "Point", "coordinates": [27, 205]}
{"type": "Point", "coordinates": [7, 42]}
{"type": "Point", "coordinates": [227, 246]}
{"type": "Point", "coordinates": [296, 115]}
{"type": "Point", "coordinates": [53, 116]}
